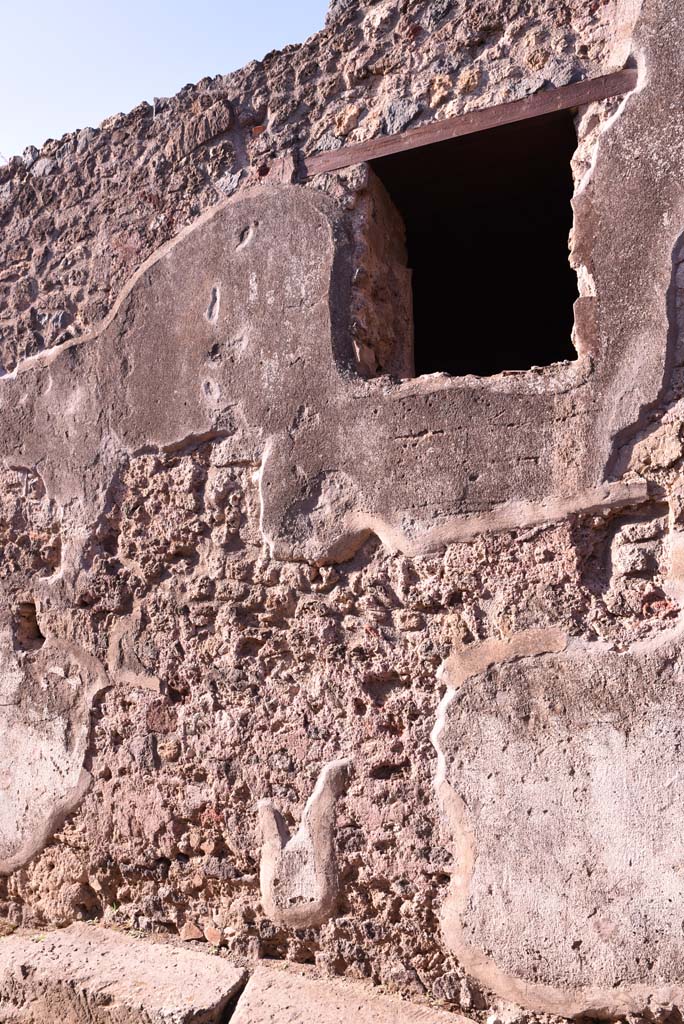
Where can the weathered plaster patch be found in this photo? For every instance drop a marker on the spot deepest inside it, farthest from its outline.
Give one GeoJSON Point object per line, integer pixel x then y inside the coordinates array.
{"type": "Point", "coordinates": [496, 453]}
{"type": "Point", "coordinates": [45, 701]}
{"type": "Point", "coordinates": [558, 773]}
{"type": "Point", "coordinates": [298, 874]}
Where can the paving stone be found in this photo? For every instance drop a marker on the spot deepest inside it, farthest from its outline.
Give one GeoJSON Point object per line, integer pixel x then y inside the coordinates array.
{"type": "Point", "coordinates": [87, 975]}
{"type": "Point", "coordinates": [290, 997]}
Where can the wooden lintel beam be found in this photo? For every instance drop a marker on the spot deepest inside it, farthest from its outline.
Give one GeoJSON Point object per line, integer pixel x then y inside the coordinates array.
{"type": "Point", "coordinates": [550, 101]}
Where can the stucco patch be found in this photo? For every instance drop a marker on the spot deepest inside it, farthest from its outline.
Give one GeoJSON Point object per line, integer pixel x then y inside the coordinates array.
{"type": "Point", "coordinates": [45, 702]}
{"type": "Point", "coordinates": [562, 779]}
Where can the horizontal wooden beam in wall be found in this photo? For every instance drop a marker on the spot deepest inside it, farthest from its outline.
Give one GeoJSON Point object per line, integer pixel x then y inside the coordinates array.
{"type": "Point", "coordinates": [551, 101]}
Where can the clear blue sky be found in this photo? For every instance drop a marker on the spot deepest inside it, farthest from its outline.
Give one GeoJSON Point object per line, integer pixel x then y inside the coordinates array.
{"type": "Point", "coordinates": [65, 64]}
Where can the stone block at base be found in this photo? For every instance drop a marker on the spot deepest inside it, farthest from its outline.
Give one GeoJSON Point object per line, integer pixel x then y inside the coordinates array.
{"type": "Point", "coordinates": [85, 973]}
{"type": "Point", "coordinates": [288, 996]}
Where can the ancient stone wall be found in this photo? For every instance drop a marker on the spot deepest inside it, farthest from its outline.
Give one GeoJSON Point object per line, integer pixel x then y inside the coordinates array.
{"type": "Point", "coordinates": [301, 655]}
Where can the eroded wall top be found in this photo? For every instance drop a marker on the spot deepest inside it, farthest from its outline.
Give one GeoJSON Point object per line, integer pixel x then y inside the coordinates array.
{"type": "Point", "coordinates": [80, 215]}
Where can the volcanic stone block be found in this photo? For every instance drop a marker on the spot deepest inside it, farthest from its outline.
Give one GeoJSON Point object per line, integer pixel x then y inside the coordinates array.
{"type": "Point", "coordinates": [88, 974]}
{"type": "Point", "coordinates": [290, 997]}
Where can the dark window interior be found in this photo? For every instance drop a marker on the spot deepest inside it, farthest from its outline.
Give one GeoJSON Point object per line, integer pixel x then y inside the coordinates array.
{"type": "Point", "coordinates": [487, 222]}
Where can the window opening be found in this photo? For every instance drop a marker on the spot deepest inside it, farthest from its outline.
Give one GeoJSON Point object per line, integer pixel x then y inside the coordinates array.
{"type": "Point", "coordinates": [487, 220]}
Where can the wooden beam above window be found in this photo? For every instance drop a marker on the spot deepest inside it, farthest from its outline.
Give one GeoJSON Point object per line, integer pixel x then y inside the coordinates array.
{"type": "Point", "coordinates": [550, 101]}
